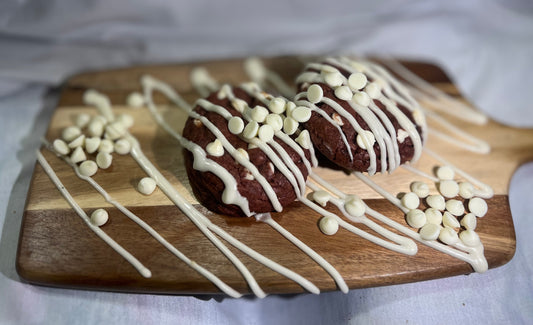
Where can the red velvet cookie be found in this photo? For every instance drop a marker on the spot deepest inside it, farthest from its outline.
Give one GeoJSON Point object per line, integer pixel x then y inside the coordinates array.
{"type": "Point", "coordinates": [241, 159]}
{"type": "Point", "coordinates": [362, 118]}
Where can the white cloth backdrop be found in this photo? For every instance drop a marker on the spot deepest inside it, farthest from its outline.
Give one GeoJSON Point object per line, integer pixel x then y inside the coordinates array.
{"type": "Point", "coordinates": [486, 46]}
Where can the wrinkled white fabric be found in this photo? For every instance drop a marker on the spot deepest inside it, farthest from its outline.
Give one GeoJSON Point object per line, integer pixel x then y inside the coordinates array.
{"type": "Point", "coordinates": [485, 46]}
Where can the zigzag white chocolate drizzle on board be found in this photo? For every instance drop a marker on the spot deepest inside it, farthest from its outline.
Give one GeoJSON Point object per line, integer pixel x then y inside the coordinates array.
{"type": "Point", "coordinates": [143, 270]}
{"type": "Point", "coordinates": [428, 95]}
{"type": "Point", "coordinates": [440, 100]}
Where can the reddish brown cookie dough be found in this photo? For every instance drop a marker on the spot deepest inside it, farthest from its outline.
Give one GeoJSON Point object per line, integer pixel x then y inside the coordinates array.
{"type": "Point", "coordinates": [208, 188]}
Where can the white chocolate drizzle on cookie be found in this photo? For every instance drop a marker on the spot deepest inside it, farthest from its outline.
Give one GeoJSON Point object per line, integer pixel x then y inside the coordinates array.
{"type": "Point", "coordinates": [383, 88]}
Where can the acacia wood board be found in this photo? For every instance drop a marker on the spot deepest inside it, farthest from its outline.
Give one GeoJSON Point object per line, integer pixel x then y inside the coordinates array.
{"type": "Point", "coordinates": [56, 248]}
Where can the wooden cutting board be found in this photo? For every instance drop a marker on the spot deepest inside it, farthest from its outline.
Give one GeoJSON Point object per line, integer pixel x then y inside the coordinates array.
{"type": "Point", "coordinates": [57, 249]}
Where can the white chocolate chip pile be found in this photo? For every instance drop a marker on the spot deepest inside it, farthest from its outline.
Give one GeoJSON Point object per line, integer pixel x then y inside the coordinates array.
{"type": "Point", "coordinates": [451, 215]}
{"type": "Point", "coordinates": [99, 217]}
{"type": "Point", "coordinates": [329, 226]}
{"type": "Point", "coordinates": [92, 141]}
{"type": "Point", "coordinates": [146, 185]}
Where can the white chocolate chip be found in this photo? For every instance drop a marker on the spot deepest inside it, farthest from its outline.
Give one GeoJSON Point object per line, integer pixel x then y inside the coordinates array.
{"type": "Point", "coordinates": [337, 118]}
{"type": "Point", "coordinates": [321, 197]}
{"type": "Point", "coordinates": [366, 139]}
{"type": "Point", "coordinates": [78, 142]}
{"type": "Point", "coordinates": [361, 98]}
{"type": "Point", "coordinates": [271, 169]}
{"type": "Point", "coordinates": [104, 160]}
{"type": "Point", "coordinates": [448, 220]}
{"type": "Point", "coordinates": [197, 122]}
{"type": "Point", "coordinates": [436, 201]}
{"type": "Point", "coordinates": [430, 231]}
{"type": "Point", "coordinates": [343, 93]}
{"type": "Point", "coordinates": [448, 236]}
{"type": "Point", "coordinates": [275, 121]}
{"type": "Point", "coordinates": [235, 125]}
{"type": "Point", "coordinates": [82, 120]}
{"type": "Point", "coordinates": [314, 93]}
{"type": "Point", "coordinates": [199, 75]}
{"type": "Point", "coordinates": [78, 155]}
{"type": "Point", "coordinates": [251, 146]}
{"type": "Point", "coordinates": [259, 113]}
{"type": "Point", "coordinates": [255, 69]}
{"type": "Point", "coordinates": [248, 175]}
{"type": "Point", "coordinates": [354, 206]}
{"type": "Point", "coordinates": [420, 188]}
{"type": "Point", "coordinates": [418, 116]}
{"type": "Point", "coordinates": [469, 238]}
{"type": "Point", "coordinates": [135, 100]}
{"type": "Point", "coordinates": [239, 104]}
{"type": "Point", "coordinates": [126, 120]}
{"type": "Point", "coordinates": [242, 153]}
{"type": "Point", "coordinates": [357, 66]}
{"type": "Point", "coordinates": [416, 218]}
{"type": "Point", "coordinates": [100, 118]}
{"type": "Point", "coordinates": [333, 79]}
{"type": "Point", "coordinates": [289, 107]}
{"type": "Point", "coordinates": [448, 188]}
{"type": "Point", "coordinates": [88, 168]}
{"type": "Point", "coordinates": [328, 225]}
{"type": "Point", "coordinates": [215, 148]}
{"type": "Point", "coordinates": [469, 221]}
{"type": "Point", "coordinates": [402, 135]}
{"type": "Point", "coordinates": [106, 145]}
{"type": "Point", "coordinates": [373, 90]}
{"type": "Point", "coordinates": [114, 130]}
{"type": "Point", "coordinates": [478, 207]}
{"type": "Point", "coordinates": [433, 216]}
{"type": "Point", "coordinates": [95, 128]}
{"type": "Point", "coordinates": [277, 105]}
{"type": "Point", "coordinates": [410, 201]}
{"type": "Point", "coordinates": [99, 217]}
{"type": "Point", "coordinates": [289, 125]}
{"type": "Point", "coordinates": [122, 147]}
{"type": "Point", "coordinates": [455, 207]}
{"type": "Point", "coordinates": [146, 186]}
{"type": "Point", "coordinates": [70, 133]}
{"type": "Point", "coordinates": [357, 81]}
{"type": "Point", "coordinates": [381, 82]}
{"type": "Point", "coordinates": [266, 133]}
{"type": "Point", "coordinates": [250, 130]}
{"type": "Point", "coordinates": [61, 147]}
{"type": "Point", "coordinates": [304, 140]}
{"type": "Point", "coordinates": [325, 69]}
{"type": "Point", "coordinates": [466, 190]}
{"type": "Point", "coordinates": [92, 144]}
{"type": "Point", "coordinates": [301, 114]}
{"type": "Point", "coordinates": [445, 173]}
{"type": "Point", "coordinates": [223, 92]}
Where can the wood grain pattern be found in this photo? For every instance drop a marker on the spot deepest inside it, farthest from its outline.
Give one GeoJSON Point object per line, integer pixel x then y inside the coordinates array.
{"type": "Point", "coordinates": [57, 249]}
